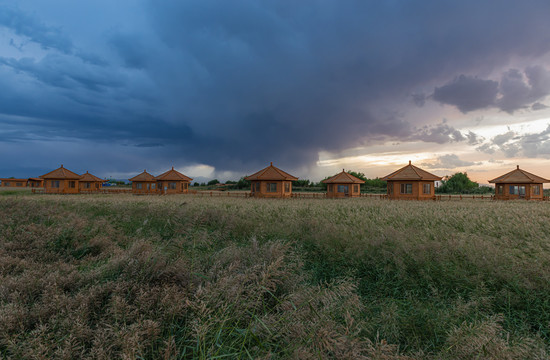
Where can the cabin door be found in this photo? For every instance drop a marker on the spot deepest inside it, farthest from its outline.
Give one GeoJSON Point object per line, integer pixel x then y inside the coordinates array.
{"type": "Point", "coordinates": [343, 189]}
{"type": "Point", "coordinates": [521, 191]}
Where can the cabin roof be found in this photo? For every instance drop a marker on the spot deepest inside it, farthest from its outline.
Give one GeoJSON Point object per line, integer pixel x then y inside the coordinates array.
{"type": "Point", "coordinates": [271, 173]}
{"type": "Point", "coordinates": [173, 175]}
{"type": "Point", "coordinates": [411, 172]}
{"type": "Point", "coordinates": [16, 180]}
{"type": "Point", "coordinates": [35, 179]}
{"type": "Point", "coordinates": [144, 176]}
{"type": "Point", "coordinates": [89, 178]}
{"type": "Point", "coordinates": [343, 178]}
{"type": "Point", "coordinates": [61, 173]}
{"type": "Point", "coordinates": [519, 176]}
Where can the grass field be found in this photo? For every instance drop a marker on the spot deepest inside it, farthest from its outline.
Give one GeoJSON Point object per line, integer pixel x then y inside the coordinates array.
{"type": "Point", "coordinates": [120, 276]}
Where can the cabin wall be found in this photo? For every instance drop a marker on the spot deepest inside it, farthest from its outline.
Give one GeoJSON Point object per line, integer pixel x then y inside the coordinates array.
{"type": "Point", "coordinates": [281, 191]}
{"type": "Point", "coordinates": [354, 190]}
{"type": "Point", "coordinates": [147, 187]}
{"type": "Point", "coordinates": [35, 184]}
{"type": "Point", "coordinates": [94, 185]}
{"type": "Point", "coordinates": [529, 192]}
{"type": "Point", "coordinates": [14, 183]}
{"type": "Point", "coordinates": [64, 186]}
{"type": "Point", "coordinates": [394, 190]}
{"type": "Point", "coordinates": [182, 187]}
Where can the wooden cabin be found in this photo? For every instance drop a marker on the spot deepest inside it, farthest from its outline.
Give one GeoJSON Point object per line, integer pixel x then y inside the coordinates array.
{"type": "Point", "coordinates": [271, 182]}
{"type": "Point", "coordinates": [35, 182]}
{"type": "Point", "coordinates": [173, 182]}
{"type": "Point", "coordinates": [412, 183]}
{"type": "Point", "coordinates": [343, 185]}
{"type": "Point", "coordinates": [89, 182]}
{"type": "Point", "coordinates": [518, 184]}
{"type": "Point", "coordinates": [13, 182]}
{"type": "Point", "coordinates": [144, 183]}
{"type": "Point", "coordinates": [61, 181]}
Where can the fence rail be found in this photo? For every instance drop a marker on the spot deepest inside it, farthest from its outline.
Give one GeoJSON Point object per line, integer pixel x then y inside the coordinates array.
{"type": "Point", "coordinates": [296, 195]}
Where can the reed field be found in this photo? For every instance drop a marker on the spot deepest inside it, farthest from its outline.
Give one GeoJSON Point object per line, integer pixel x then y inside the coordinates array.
{"type": "Point", "coordinates": [189, 277]}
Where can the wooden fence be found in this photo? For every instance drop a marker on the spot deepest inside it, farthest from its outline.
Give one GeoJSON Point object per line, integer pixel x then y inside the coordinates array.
{"type": "Point", "coordinates": [296, 195]}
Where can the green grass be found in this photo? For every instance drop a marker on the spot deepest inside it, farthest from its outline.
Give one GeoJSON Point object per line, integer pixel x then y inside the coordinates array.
{"type": "Point", "coordinates": [192, 277]}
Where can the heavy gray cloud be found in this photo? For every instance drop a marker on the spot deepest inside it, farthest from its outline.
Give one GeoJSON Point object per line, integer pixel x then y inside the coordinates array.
{"type": "Point", "coordinates": [516, 90]}
{"type": "Point", "coordinates": [237, 84]}
{"type": "Point", "coordinates": [440, 134]}
{"type": "Point", "coordinates": [468, 93]}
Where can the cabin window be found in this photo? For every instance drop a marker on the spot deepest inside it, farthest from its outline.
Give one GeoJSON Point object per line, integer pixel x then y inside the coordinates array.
{"type": "Point", "coordinates": [500, 189]}
{"type": "Point", "coordinates": [7, 183]}
{"type": "Point", "coordinates": [427, 188]}
{"type": "Point", "coordinates": [18, 184]}
{"type": "Point", "coordinates": [514, 190]}
{"type": "Point", "coordinates": [536, 189]}
{"type": "Point", "coordinates": [258, 186]}
{"type": "Point", "coordinates": [139, 186]}
{"type": "Point", "coordinates": [406, 188]}
{"type": "Point", "coordinates": [271, 187]}
{"type": "Point", "coordinates": [153, 186]}
{"type": "Point", "coordinates": [55, 184]}
{"type": "Point", "coordinates": [71, 184]}
{"type": "Point", "coordinates": [97, 186]}
{"type": "Point", "coordinates": [343, 189]}
{"type": "Point", "coordinates": [287, 187]}
{"type": "Point", "coordinates": [355, 188]}
{"type": "Point", "coordinates": [185, 186]}
{"type": "Point", "coordinates": [172, 186]}
{"type": "Point", "coordinates": [87, 185]}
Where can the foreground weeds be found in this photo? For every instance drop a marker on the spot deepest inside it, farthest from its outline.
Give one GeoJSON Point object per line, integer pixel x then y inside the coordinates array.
{"type": "Point", "coordinates": [184, 278]}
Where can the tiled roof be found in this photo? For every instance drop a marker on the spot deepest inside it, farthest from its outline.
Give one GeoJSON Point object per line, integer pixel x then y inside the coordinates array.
{"type": "Point", "coordinates": [411, 172]}
{"type": "Point", "coordinates": [144, 176]}
{"type": "Point", "coordinates": [271, 173]}
{"type": "Point", "coordinates": [343, 178]}
{"type": "Point", "coordinates": [520, 177]}
{"type": "Point", "coordinates": [89, 178]}
{"type": "Point", "coordinates": [173, 175]}
{"type": "Point", "coordinates": [61, 173]}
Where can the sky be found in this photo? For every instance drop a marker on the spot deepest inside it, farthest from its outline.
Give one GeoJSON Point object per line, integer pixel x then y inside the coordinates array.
{"type": "Point", "coordinates": [218, 89]}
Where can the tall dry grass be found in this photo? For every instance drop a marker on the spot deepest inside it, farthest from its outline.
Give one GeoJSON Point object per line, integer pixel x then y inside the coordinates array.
{"type": "Point", "coordinates": [185, 277]}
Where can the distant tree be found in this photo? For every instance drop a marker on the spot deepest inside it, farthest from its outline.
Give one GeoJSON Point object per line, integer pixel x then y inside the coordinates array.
{"type": "Point", "coordinates": [196, 184]}
{"type": "Point", "coordinates": [230, 182]}
{"type": "Point", "coordinates": [359, 175]}
{"type": "Point", "coordinates": [213, 182]}
{"type": "Point", "coordinates": [301, 183]}
{"type": "Point", "coordinates": [243, 184]}
{"type": "Point", "coordinates": [202, 184]}
{"type": "Point", "coordinates": [458, 183]}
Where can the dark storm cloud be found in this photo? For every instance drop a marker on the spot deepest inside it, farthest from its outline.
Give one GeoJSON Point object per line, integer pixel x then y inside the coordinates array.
{"type": "Point", "coordinates": [516, 90]}
{"type": "Point", "coordinates": [35, 30]}
{"type": "Point", "coordinates": [237, 84]}
{"type": "Point", "coordinates": [65, 72]}
{"type": "Point", "coordinates": [467, 93]}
